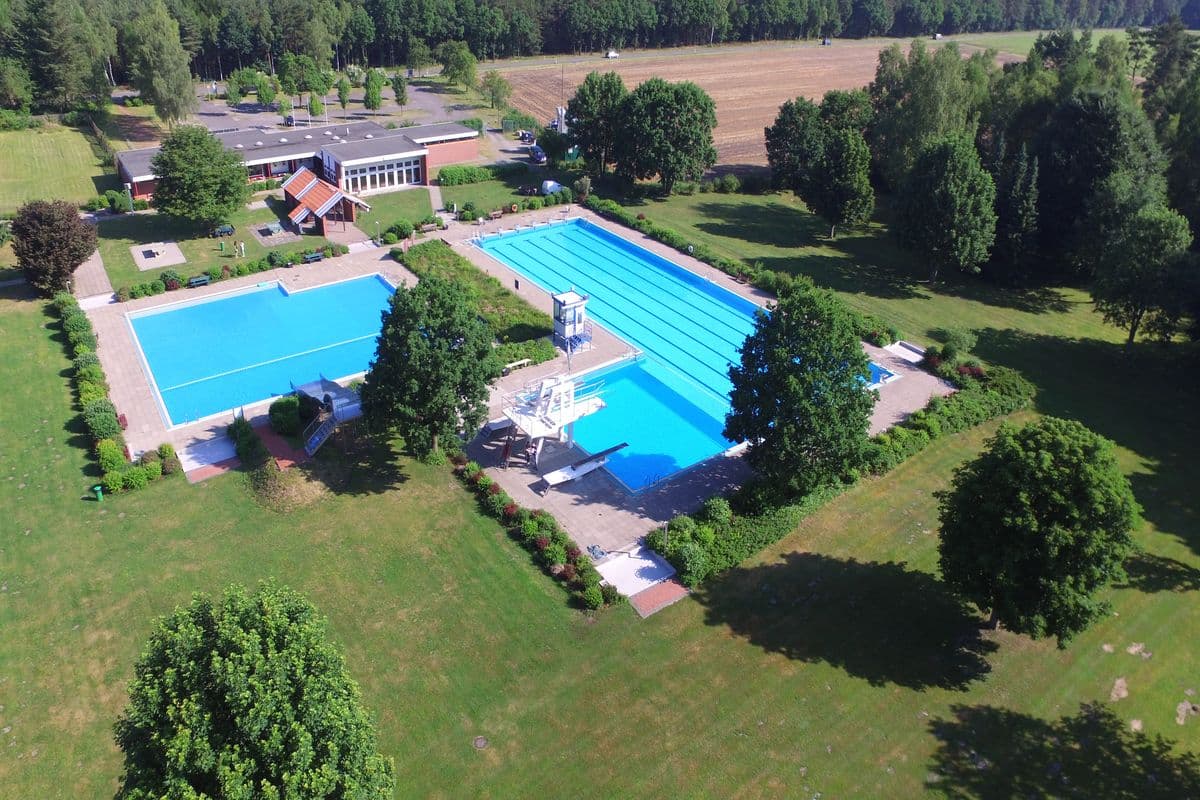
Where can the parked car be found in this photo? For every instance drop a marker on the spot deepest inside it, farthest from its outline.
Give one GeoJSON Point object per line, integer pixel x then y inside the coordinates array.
{"type": "Point", "coordinates": [290, 121]}
{"type": "Point", "coordinates": [527, 191]}
{"type": "Point", "coordinates": [221, 230]}
{"type": "Point", "coordinates": [537, 155]}
{"type": "Point", "coordinates": [525, 136]}
{"type": "Point", "coordinates": [612, 54]}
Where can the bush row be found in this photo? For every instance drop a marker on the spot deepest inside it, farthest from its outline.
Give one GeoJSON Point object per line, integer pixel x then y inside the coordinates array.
{"type": "Point", "coordinates": [17, 120]}
{"type": "Point", "coordinates": [716, 538]}
{"type": "Point", "coordinates": [267, 185]}
{"type": "Point", "coordinates": [115, 201]}
{"type": "Point", "coordinates": [469, 212]}
{"type": "Point", "coordinates": [474, 123]}
{"type": "Point", "coordinates": [169, 280]}
{"type": "Point", "coordinates": [462, 174]}
{"type": "Point", "coordinates": [552, 550]}
{"type": "Point", "coordinates": [284, 415]}
{"type": "Point", "coordinates": [512, 320]}
{"type": "Point", "coordinates": [99, 414]}
{"type": "Point", "coordinates": [752, 183]}
{"type": "Point", "coordinates": [870, 328]}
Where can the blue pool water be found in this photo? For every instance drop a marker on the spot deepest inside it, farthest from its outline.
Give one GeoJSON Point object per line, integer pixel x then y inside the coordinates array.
{"type": "Point", "coordinates": [669, 405]}
{"type": "Point", "coordinates": [218, 354]}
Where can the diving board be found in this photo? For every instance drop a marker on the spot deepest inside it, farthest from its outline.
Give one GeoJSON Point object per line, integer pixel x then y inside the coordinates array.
{"type": "Point", "coordinates": [581, 467]}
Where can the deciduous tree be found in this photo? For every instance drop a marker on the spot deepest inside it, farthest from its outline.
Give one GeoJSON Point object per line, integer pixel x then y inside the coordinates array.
{"type": "Point", "coordinates": [458, 63]}
{"type": "Point", "coordinates": [245, 696]}
{"type": "Point", "coordinates": [50, 241]}
{"type": "Point", "coordinates": [198, 179]}
{"type": "Point", "coordinates": [799, 395]}
{"type": "Point", "coordinates": [432, 367]}
{"type": "Point", "coordinates": [373, 90]}
{"type": "Point", "coordinates": [947, 209]}
{"type": "Point", "coordinates": [343, 92]}
{"type": "Point", "coordinates": [795, 143]}
{"type": "Point", "coordinates": [666, 130]}
{"type": "Point", "coordinates": [595, 117]}
{"type": "Point", "coordinates": [1138, 278]}
{"type": "Point", "coordinates": [839, 189]}
{"type": "Point", "coordinates": [1036, 525]}
{"type": "Point", "coordinates": [400, 90]}
{"type": "Point", "coordinates": [495, 89]}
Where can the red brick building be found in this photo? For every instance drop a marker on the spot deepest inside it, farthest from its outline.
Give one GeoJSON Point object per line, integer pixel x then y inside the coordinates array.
{"type": "Point", "coordinates": [311, 200]}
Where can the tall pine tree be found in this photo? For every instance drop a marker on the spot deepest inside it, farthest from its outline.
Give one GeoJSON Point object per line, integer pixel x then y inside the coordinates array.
{"type": "Point", "coordinates": [1016, 220]}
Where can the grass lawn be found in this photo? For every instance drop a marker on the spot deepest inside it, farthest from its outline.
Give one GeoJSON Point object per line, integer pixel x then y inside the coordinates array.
{"type": "Point", "coordinates": [8, 263]}
{"type": "Point", "coordinates": [490, 195]}
{"type": "Point", "coordinates": [388, 209]}
{"type": "Point", "coordinates": [833, 663]}
{"type": "Point", "coordinates": [132, 127]}
{"type": "Point", "coordinates": [56, 163]}
{"type": "Point", "coordinates": [119, 234]}
{"type": "Point", "coordinates": [1018, 42]}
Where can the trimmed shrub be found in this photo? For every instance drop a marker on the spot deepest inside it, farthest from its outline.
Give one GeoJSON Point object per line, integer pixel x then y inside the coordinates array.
{"type": "Point", "coordinates": [153, 469]}
{"type": "Point", "coordinates": [85, 359]}
{"type": "Point", "coordinates": [591, 597]}
{"type": "Point", "coordinates": [90, 392]}
{"type": "Point", "coordinates": [955, 342]}
{"type": "Point", "coordinates": [113, 482]}
{"type": "Point", "coordinates": [462, 174]}
{"type": "Point", "coordinates": [717, 511]}
{"type": "Point", "coordinates": [135, 478]}
{"type": "Point", "coordinates": [610, 594]}
{"type": "Point", "coordinates": [727, 183]}
{"type": "Point", "coordinates": [171, 279]}
{"type": "Point", "coordinates": [401, 228]}
{"type": "Point", "coordinates": [90, 374]}
{"type": "Point", "coordinates": [284, 415]}
{"type": "Point", "coordinates": [101, 419]}
{"type": "Point", "coordinates": [150, 457]}
{"type": "Point", "coordinates": [75, 321]}
{"type": "Point", "coordinates": [170, 461]}
{"type": "Point", "coordinates": [109, 454]}
{"type": "Point", "coordinates": [390, 238]}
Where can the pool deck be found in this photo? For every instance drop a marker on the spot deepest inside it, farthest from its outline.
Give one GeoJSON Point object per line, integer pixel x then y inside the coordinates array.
{"type": "Point", "coordinates": [596, 509]}
{"type": "Point", "coordinates": [122, 361]}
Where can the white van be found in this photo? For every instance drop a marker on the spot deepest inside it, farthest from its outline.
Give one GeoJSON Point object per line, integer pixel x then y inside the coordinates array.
{"type": "Point", "coordinates": [612, 54]}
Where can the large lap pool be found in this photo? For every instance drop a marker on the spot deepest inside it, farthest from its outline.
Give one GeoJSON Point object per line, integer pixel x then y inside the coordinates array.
{"type": "Point", "coordinates": [207, 357]}
{"type": "Point", "coordinates": [670, 404]}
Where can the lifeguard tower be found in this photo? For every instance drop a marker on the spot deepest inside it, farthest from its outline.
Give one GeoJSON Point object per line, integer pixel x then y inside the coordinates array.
{"type": "Point", "coordinates": [572, 328]}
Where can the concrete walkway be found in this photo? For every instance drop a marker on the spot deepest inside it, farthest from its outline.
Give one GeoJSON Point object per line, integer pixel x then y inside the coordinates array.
{"type": "Point", "coordinates": [91, 280]}
{"type": "Point", "coordinates": [435, 197]}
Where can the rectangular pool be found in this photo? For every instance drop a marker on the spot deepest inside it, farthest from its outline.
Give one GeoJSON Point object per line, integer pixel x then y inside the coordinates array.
{"type": "Point", "coordinates": [669, 405]}
{"type": "Point", "coordinates": [212, 355]}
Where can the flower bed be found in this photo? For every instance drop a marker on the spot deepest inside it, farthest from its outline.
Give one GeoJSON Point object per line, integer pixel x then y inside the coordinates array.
{"type": "Point", "coordinates": [99, 415]}
{"type": "Point", "coordinates": [547, 543]}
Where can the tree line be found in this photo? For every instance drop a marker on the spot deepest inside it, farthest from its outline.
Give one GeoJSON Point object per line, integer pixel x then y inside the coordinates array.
{"type": "Point", "coordinates": [1081, 163]}
{"type": "Point", "coordinates": [60, 53]}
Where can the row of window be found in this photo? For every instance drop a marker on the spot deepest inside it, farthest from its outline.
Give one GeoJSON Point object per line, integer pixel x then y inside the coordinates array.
{"type": "Point", "coordinates": [381, 176]}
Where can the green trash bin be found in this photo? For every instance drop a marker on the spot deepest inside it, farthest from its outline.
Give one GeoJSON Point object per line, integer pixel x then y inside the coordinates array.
{"type": "Point", "coordinates": [99, 490]}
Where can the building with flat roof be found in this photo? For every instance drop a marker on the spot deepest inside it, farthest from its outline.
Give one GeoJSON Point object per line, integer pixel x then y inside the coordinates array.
{"type": "Point", "coordinates": [356, 157]}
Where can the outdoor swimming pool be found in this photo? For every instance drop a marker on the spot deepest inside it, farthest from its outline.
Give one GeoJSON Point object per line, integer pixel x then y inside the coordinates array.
{"type": "Point", "coordinates": [670, 404]}
{"type": "Point", "coordinates": [231, 350]}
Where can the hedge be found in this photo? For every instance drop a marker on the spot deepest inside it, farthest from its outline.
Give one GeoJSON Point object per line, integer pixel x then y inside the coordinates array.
{"type": "Point", "coordinates": [520, 329]}
{"type": "Point", "coordinates": [714, 540]}
{"type": "Point", "coordinates": [463, 174]}
{"type": "Point", "coordinates": [539, 532]}
{"type": "Point", "coordinates": [99, 414]}
{"type": "Point", "coordinates": [870, 328]}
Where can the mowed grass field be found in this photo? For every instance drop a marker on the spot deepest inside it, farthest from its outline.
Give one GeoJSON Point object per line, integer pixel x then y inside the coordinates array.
{"type": "Point", "coordinates": [50, 163]}
{"type": "Point", "coordinates": [748, 82]}
{"type": "Point", "coordinates": [831, 664]}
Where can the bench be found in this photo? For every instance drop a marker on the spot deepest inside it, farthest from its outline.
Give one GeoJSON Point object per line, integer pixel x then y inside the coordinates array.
{"type": "Point", "coordinates": [429, 227]}
{"type": "Point", "coordinates": [496, 214]}
{"type": "Point", "coordinates": [197, 280]}
{"type": "Point", "coordinates": [222, 230]}
{"type": "Point", "coordinates": [310, 258]}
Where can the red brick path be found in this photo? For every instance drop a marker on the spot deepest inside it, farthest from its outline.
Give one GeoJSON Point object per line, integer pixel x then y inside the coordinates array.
{"type": "Point", "coordinates": [285, 455]}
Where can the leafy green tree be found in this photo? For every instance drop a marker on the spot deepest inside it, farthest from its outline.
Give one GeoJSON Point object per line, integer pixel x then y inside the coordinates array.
{"type": "Point", "coordinates": [373, 90]}
{"type": "Point", "coordinates": [265, 89]}
{"type": "Point", "coordinates": [285, 106]}
{"type": "Point", "coordinates": [1183, 176]}
{"type": "Point", "coordinates": [66, 51]}
{"type": "Point", "coordinates": [795, 143]}
{"type": "Point", "coordinates": [16, 89]}
{"type": "Point", "coordinates": [343, 91]}
{"type": "Point", "coordinates": [198, 179]}
{"type": "Point", "coordinates": [1016, 220]}
{"type": "Point", "coordinates": [799, 395]}
{"type": "Point", "coordinates": [495, 89]}
{"type": "Point", "coordinates": [419, 56]}
{"type": "Point", "coordinates": [847, 110]}
{"type": "Point", "coordinates": [1036, 525]}
{"type": "Point", "coordinates": [839, 189]}
{"type": "Point", "coordinates": [947, 209]}
{"type": "Point", "coordinates": [50, 241]}
{"type": "Point", "coordinates": [233, 94]}
{"type": "Point", "coordinates": [400, 90]}
{"type": "Point", "coordinates": [432, 367]}
{"type": "Point", "coordinates": [1140, 50]}
{"type": "Point", "coordinates": [235, 34]}
{"type": "Point", "coordinates": [1175, 54]}
{"type": "Point", "coordinates": [359, 32]}
{"type": "Point", "coordinates": [922, 99]}
{"type": "Point", "coordinates": [666, 130]}
{"type": "Point", "coordinates": [458, 63]}
{"type": "Point", "coordinates": [245, 696]}
{"type": "Point", "coordinates": [594, 112]}
{"type": "Point", "coordinates": [1137, 278]}
{"type": "Point", "coordinates": [315, 107]}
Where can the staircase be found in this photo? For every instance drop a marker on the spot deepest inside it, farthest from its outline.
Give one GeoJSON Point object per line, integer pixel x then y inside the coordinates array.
{"type": "Point", "coordinates": [324, 429]}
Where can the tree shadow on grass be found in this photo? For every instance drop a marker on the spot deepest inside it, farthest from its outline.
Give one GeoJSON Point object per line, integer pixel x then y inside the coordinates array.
{"type": "Point", "coordinates": [1150, 573]}
{"type": "Point", "coordinates": [356, 462]}
{"type": "Point", "coordinates": [881, 622]}
{"type": "Point", "coordinates": [987, 752]}
{"type": "Point", "coordinates": [1142, 397]}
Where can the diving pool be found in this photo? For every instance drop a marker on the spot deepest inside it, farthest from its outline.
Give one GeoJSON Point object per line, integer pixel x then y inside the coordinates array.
{"type": "Point", "coordinates": [669, 404]}
{"type": "Point", "coordinates": [208, 356]}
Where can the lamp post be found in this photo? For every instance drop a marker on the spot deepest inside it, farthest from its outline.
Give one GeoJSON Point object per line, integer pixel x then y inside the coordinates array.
{"type": "Point", "coordinates": [378, 241]}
